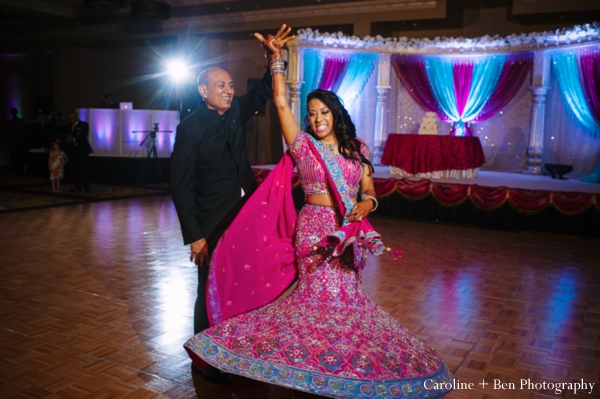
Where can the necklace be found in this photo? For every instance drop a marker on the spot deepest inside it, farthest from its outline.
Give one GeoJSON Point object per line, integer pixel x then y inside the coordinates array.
{"type": "Point", "coordinates": [330, 147]}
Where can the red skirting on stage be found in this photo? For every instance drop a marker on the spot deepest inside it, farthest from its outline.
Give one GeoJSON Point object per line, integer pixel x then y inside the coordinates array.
{"type": "Point", "coordinates": [482, 197]}
{"type": "Point", "coordinates": [489, 198]}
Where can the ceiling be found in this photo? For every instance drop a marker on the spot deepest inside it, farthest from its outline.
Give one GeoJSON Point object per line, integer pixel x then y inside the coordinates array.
{"type": "Point", "coordinates": [37, 25]}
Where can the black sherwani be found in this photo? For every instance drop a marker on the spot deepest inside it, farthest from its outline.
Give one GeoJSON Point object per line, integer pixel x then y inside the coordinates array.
{"type": "Point", "coordinates": [209, 169]}
{"type": "Point", "coordinates": [79, 150]}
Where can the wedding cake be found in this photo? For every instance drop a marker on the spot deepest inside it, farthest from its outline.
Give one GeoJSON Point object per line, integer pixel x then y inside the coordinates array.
{"type": "Point", "coordinates": [429, 124]}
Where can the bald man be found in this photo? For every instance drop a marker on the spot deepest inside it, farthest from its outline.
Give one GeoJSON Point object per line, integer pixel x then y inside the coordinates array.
{"type": "Point", "coordinates": [211, 175]}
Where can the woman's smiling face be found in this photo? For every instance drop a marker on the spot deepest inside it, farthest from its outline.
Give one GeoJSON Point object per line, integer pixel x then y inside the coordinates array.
{"type": "Point", "coordinates": [320, 119]}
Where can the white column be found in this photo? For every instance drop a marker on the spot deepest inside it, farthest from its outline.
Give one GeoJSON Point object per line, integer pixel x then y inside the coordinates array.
{"type": "Point", "coordinates": [383, 88]}
{"type": "Point", "coordinates": [540, 79]}
{"type": "Point", "coordinates": [535, 150]}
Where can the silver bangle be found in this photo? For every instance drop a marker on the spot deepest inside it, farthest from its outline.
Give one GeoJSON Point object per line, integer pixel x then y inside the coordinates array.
{"type": "Point", "coordinates": [370, 197]}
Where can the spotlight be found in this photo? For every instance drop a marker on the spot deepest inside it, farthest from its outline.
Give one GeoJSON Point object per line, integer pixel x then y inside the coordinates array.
{"type": "Point", "coordinates": [558, 169]}
{"type": "Point", "coordinates": [177, 70]}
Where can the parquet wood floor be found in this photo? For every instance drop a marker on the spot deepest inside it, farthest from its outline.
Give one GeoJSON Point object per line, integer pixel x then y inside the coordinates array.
{"type": "Point", "coordinates": [96, 302]}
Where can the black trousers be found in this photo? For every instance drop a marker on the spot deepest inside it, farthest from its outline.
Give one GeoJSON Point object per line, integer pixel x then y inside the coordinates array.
{"type": "Point", "coordinates": [80, 169]}
{"type": "Point", "coordinates": [200, 310]}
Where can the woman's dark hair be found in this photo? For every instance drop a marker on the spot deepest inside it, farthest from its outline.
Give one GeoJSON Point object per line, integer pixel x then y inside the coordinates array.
{"type": "Point", "coordinates": [343, 127]}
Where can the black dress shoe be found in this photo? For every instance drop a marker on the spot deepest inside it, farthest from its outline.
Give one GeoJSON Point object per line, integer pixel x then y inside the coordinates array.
{"type": "Point", "coordinates": [211, 374]}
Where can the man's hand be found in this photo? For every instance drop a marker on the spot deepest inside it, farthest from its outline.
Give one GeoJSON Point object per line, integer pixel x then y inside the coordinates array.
{"type": "Point", "coordinates": [199, 252]}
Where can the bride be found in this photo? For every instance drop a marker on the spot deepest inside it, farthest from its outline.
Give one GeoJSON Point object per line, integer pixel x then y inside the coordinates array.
{"type": "Point", "coordinates": [327, 337]}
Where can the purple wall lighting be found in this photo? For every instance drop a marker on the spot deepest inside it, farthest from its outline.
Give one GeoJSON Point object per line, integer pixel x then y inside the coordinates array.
{"type": "Point", "coordinates": [104, 131]}
{"type": "Point", "coordinates": [14, 90]}
{"type": "Point", "coordinates": [136, 125]}
{"type": "Point", "coordinates": [116, 132]}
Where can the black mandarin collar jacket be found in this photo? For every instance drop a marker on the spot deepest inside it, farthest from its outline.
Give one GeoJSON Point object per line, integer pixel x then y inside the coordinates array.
{"type": "Point", "coordinates": [209, 163]}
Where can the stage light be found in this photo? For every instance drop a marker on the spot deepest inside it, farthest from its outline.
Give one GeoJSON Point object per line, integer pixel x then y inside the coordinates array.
{"type": "Point", "coordinates": [177, 70]}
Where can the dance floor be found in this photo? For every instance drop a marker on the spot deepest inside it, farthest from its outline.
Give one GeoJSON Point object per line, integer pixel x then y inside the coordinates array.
{"type": "Point", "coordinates": [96, 301]}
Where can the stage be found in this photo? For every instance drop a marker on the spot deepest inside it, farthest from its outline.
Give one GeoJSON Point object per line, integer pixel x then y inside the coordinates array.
{"type": "Point", "coordinates": [497, 200]}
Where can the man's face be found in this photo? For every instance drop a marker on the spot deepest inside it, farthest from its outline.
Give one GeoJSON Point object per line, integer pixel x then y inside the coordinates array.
{"type": "Point", "coordinates": [218, 92]}
{"type": "Point", "coordinates": [72, 118]}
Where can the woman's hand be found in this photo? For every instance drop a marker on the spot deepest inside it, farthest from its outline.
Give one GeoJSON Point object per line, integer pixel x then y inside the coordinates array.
{"type": "Point", "coordinates": [273, 44]}
{"type": "Point", "coordinates": [360, 211]}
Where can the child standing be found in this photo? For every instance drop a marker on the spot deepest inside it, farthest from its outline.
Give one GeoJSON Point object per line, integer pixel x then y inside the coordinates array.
{"type": "Point", "coordinates": [56, 164]}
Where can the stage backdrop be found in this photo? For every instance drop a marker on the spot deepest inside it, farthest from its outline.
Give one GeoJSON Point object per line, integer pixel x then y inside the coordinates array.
{"type": "Point", "coordinates": [129, 133]}
{"type": "Point", "coordinates": [534, 127]}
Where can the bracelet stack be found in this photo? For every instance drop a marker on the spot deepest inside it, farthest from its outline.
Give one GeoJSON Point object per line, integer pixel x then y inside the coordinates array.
{"type": "Point", "coordinates": [370, 197]}
{"type": "Point", "coordinates": [277, 65]}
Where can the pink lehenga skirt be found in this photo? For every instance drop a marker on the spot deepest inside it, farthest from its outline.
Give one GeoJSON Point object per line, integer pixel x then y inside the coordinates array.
{"type": "Point", "coordinates": [327, 337]}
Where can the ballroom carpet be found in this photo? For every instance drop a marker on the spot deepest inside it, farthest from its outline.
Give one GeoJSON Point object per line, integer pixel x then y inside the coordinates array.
{"type": "Point", "coordinates": [96, 302]}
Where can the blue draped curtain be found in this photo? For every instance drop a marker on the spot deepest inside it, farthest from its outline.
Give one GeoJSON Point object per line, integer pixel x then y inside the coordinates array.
{"type": "Point", "coordinates": [565, 67]}
{"type": "Point", "coordinates": [350, 84]}
{"type": "Point", "coordinates": [450, 77]}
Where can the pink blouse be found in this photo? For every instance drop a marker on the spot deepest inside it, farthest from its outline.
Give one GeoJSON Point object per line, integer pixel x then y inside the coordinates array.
{"type": "Point", "coordinates": [312, 174]}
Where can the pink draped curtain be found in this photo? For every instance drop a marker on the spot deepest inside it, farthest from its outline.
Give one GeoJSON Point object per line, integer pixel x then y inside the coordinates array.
{"type": "Point", "coordinates": [411, 71]}
{"type": "Point", "coordinates": [462, 73]}
{"type": "Point", "coordinates": [333, 73]}
{"type": "Point", "coordinates": [589, 73]}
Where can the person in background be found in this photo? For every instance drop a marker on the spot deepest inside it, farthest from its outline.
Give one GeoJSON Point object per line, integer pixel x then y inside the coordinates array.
{"type": "Point", "coordinates": [56, 164]}
{"type": "Point", "coordinates": [79, 151]}
{"type": "Point", "coordinates": [108, 102]}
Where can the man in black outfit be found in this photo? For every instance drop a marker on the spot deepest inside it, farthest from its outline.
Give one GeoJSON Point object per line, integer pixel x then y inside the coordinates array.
{"type": "Point", "coordinates": [79, 150]}
{"type": "Point", "coordinates": [211, 175]}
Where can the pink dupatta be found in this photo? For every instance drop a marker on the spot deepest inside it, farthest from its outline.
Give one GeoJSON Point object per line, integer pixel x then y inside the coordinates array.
{"type": "Point", "coordinates": [253, 262]}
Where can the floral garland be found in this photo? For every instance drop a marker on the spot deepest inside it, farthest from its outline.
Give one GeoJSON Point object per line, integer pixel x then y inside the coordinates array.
{"type": "Point", "coordinates": [515, 42]}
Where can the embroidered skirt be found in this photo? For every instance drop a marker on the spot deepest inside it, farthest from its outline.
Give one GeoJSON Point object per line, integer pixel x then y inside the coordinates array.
{"type": "Point", "coordinates": [327, 337]}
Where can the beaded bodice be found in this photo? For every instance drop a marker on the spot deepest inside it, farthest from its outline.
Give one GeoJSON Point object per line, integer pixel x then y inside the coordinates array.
{"type": "Point", "coordinates": [312, 174]}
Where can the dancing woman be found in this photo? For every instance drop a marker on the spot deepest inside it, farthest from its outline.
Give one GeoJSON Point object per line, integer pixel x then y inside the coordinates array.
{"type": "Point", "coordinates": [327, 337]}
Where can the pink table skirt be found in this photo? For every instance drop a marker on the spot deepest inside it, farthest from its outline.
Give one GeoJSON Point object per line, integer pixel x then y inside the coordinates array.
{"type": "Point", "coordinates": [432, 155]}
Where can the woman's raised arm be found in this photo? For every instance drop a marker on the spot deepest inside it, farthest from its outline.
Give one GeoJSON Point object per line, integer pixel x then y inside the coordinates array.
{"type": "Point", "coordinates": [289, 127]}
